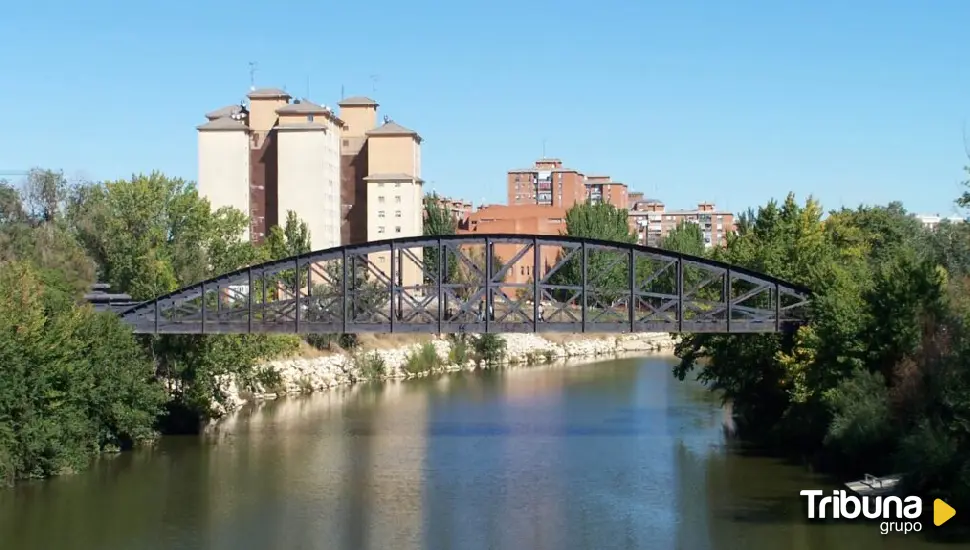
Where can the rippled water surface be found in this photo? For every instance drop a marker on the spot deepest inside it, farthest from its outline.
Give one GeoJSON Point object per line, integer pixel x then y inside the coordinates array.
{"type": "Point", "coordinates": [609, 455]}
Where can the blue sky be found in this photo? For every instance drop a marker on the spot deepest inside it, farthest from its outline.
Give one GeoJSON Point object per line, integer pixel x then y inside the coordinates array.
{"type": "Point", "coordinates": [735, 102]}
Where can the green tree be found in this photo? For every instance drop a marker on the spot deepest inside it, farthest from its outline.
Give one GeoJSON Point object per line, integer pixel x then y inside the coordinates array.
{"type": "Point", "coordinates": [285, 242]}
{"type": "Point", "coordinates": [153, 234]}
{"type": "Point", "coordinates": [438, 221]}
{"type": "Point", "coordinates": [686, 238]}
{"type": "Point", "coordinates": [72, 382]}
{"type": "Point", "coordinates": [605, 272]}
{"type": "Point", "coordinates": [291, 239]}
{"type": "Point", "coordinates": [368, 294]}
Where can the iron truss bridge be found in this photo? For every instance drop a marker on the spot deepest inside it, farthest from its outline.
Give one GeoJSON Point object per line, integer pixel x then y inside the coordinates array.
{"type": "Point", "coordinates": [476, 284]}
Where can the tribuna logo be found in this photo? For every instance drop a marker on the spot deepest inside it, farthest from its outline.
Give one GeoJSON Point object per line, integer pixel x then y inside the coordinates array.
{"type": "Point", "coordinates": [839, 505]}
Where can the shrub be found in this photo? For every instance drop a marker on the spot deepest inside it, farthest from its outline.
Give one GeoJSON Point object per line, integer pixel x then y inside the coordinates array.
{"type": "Point", "coordinates": [490, 349]}
{"type": "Point", "coordinates": [423, 359]}
{"type": "Point", "coordinates": [458, 354]}
{"type": "Point", "coordinates": [270, 380]}
{"type": "Point", "coordinates": [349, 342]}
{"type": "Point", "coordinates": [371, 365]}
{"type": "Point", "coordinates": [323, 342]}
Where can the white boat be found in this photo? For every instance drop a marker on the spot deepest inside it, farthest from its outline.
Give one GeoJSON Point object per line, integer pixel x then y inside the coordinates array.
{"type": "Point", "coordinates": [871, 485]}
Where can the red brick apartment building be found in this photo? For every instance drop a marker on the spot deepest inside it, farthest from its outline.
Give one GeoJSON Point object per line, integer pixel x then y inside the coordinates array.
{"type": "Point", "coordinates": [546, 183]}
{"type": "Point", "coordinates": [539, 196]}
{"type": "Point", "coordinates": [459, 209]}
{"type": "Point", "coordinates": [523, 219]}
{"type": "Point", "coordinates": [651, 222]}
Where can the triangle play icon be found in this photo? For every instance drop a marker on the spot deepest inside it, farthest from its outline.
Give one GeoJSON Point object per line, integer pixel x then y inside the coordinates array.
{"type": "Point", "coordinates": [942, 512]}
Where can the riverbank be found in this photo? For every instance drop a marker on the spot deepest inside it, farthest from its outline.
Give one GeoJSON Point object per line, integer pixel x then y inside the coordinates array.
{"type": "Point", "coordinates": [300, 375]}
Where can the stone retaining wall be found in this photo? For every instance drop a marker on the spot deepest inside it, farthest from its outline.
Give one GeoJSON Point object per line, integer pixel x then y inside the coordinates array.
{"type": "Point", "coordinates": [305, 375]}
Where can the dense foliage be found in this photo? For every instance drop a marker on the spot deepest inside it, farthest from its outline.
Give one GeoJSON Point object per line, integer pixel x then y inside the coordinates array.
{"type": "Point", "coordinates": [595, 221]}
{"type": "Point", "coordinates": [878, 381]}
{"type": "Point", "coordinates": [152, 234]}
{"type": "Point", "coordinates": [438, 221]}
{"type": "Point", "coordinates": [72, 382]}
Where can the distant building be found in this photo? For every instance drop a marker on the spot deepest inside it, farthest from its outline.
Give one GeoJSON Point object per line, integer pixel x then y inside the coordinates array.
{"type": "Point", "coordinates": [291, 161]}
{"type": "Point", "coordinates": [546, 183]}
{"type": "Point", "coordinates": [651, 222]}
{"type": "Point", "coordinates": [932, 221]}
{"type": "Point", "coordinates": [632, 198]}
{"type": "Point", "coordinates": [602, 189]}
{"type": "Point", "coordinates": [520, 220]}
{"type": "Point", "coordinates": [459, 209]}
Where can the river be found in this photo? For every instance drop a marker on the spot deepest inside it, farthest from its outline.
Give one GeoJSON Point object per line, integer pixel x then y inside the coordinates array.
{"type": "Point", "coordinates": [609, 455]}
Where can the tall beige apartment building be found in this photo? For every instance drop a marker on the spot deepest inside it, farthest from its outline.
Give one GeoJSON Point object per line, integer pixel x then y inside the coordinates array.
{"type": "Point", "coordinates": [382, 176]}
{"type": "Point", "coordinates": [271, 157]}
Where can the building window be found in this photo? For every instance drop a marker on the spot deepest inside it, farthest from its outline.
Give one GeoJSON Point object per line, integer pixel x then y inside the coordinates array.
{"type": "Point", "coordinates": [397, 184]}
{"type": "Point", "coordinates": [380, 229]}
{"type": "Point", "coordinates": [397, 213]}
{"type": "Point", "coordinates": [309, 118]}
{"type": "Point", "coordinates": [397, 229]}
{"type": "Point", "coordinates": [380, 184]}
{"type": "Point", "coordinates": [346, 143]}
{"type": "Point", "coordinates": [380, 199]}
{"type": "Point", "coordinates": [380, 213]}
{"type": "Point", "coordinates": [397, 198]}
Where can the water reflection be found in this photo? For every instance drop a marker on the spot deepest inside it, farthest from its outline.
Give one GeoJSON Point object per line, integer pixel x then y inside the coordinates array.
{"type": "Point", "coordinates": [613, 455]}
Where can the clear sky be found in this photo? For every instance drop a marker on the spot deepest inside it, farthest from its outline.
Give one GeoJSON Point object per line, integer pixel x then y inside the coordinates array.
{"type": "Point", "coordinates": [730, 101]}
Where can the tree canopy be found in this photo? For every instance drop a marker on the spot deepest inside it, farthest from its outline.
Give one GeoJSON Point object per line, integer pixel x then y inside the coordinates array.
{"type": "Point", "coordinates": [438, 221]}
{"type": "Point", "coordinates": [867, 384]}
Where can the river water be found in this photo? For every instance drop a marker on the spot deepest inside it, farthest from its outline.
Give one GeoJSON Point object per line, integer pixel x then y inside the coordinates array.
{"type": "Point", "coordinates": [599, 456]}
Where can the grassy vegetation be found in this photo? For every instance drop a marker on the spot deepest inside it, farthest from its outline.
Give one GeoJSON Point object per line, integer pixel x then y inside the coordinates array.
{"type": "Point", "coordinates": [424, 359]}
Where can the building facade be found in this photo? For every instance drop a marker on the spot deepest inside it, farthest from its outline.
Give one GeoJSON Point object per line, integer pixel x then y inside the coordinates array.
{"type": "Point", "coordinates": [520, 220]}
{"type": "Point", "coordinates": [360, 116]}
{"type": "Point", "coordinates": [602, 189]}
{"type": "Point", "coordinates": [546, 183]}
{"type": "Point", "coordinates": [651, 222]}
{"type": "Point", "coordinates": [292, 163]}
{"type": "Point", "coordinates": [395, 192]}
{"type": "Point", "coordinates": [308, 168]}
{"type": "Point", "coordinates": [224, 164]}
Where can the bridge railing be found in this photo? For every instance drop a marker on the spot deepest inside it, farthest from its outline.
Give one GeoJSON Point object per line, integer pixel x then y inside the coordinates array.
{"type": "Point", "coordinates": [479, 284]}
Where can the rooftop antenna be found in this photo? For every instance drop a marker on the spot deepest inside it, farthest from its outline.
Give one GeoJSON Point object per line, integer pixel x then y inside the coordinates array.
{"type": "Point", "coordinates": [543, 148]}
{"type": "Point", "coordinates": [252, 75]}
{"type": "Point", "coordinates": [342, 94]}
{"type": "Point", "coordinates": [386, 119]}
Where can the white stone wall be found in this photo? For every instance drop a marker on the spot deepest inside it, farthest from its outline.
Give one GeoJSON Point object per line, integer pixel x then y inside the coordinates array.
{"type": "Point", "coordinates": [302, 375]}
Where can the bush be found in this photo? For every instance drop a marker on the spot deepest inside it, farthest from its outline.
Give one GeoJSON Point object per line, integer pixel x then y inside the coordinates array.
{"type": "Point", "coordinates": [423, 359]}
{"type": "Point", "coordinates": [270, 380]}
{"type": "Point", "coordinates": [861, 424]}
{"type": "Point", "coordinates": [323, 342]}
{"type": "Point", "coordinates": [349, 342]}
{"type": "Point", "coordinates": [72, 382]}
{"type": "Point", "coordinates": [371, 365]}
{"type": "Point", "coordinates": [458, 354]}
{"type": "Point", "coordinates": [490, 349]}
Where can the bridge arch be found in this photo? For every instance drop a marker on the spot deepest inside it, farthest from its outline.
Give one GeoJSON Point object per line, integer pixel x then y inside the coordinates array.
{"type": "Point", "coordinates": [480, 284]}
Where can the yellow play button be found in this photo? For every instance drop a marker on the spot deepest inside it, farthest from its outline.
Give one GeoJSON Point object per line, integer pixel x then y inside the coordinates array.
{"type": "Point", "coordinates": [942, 512]}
